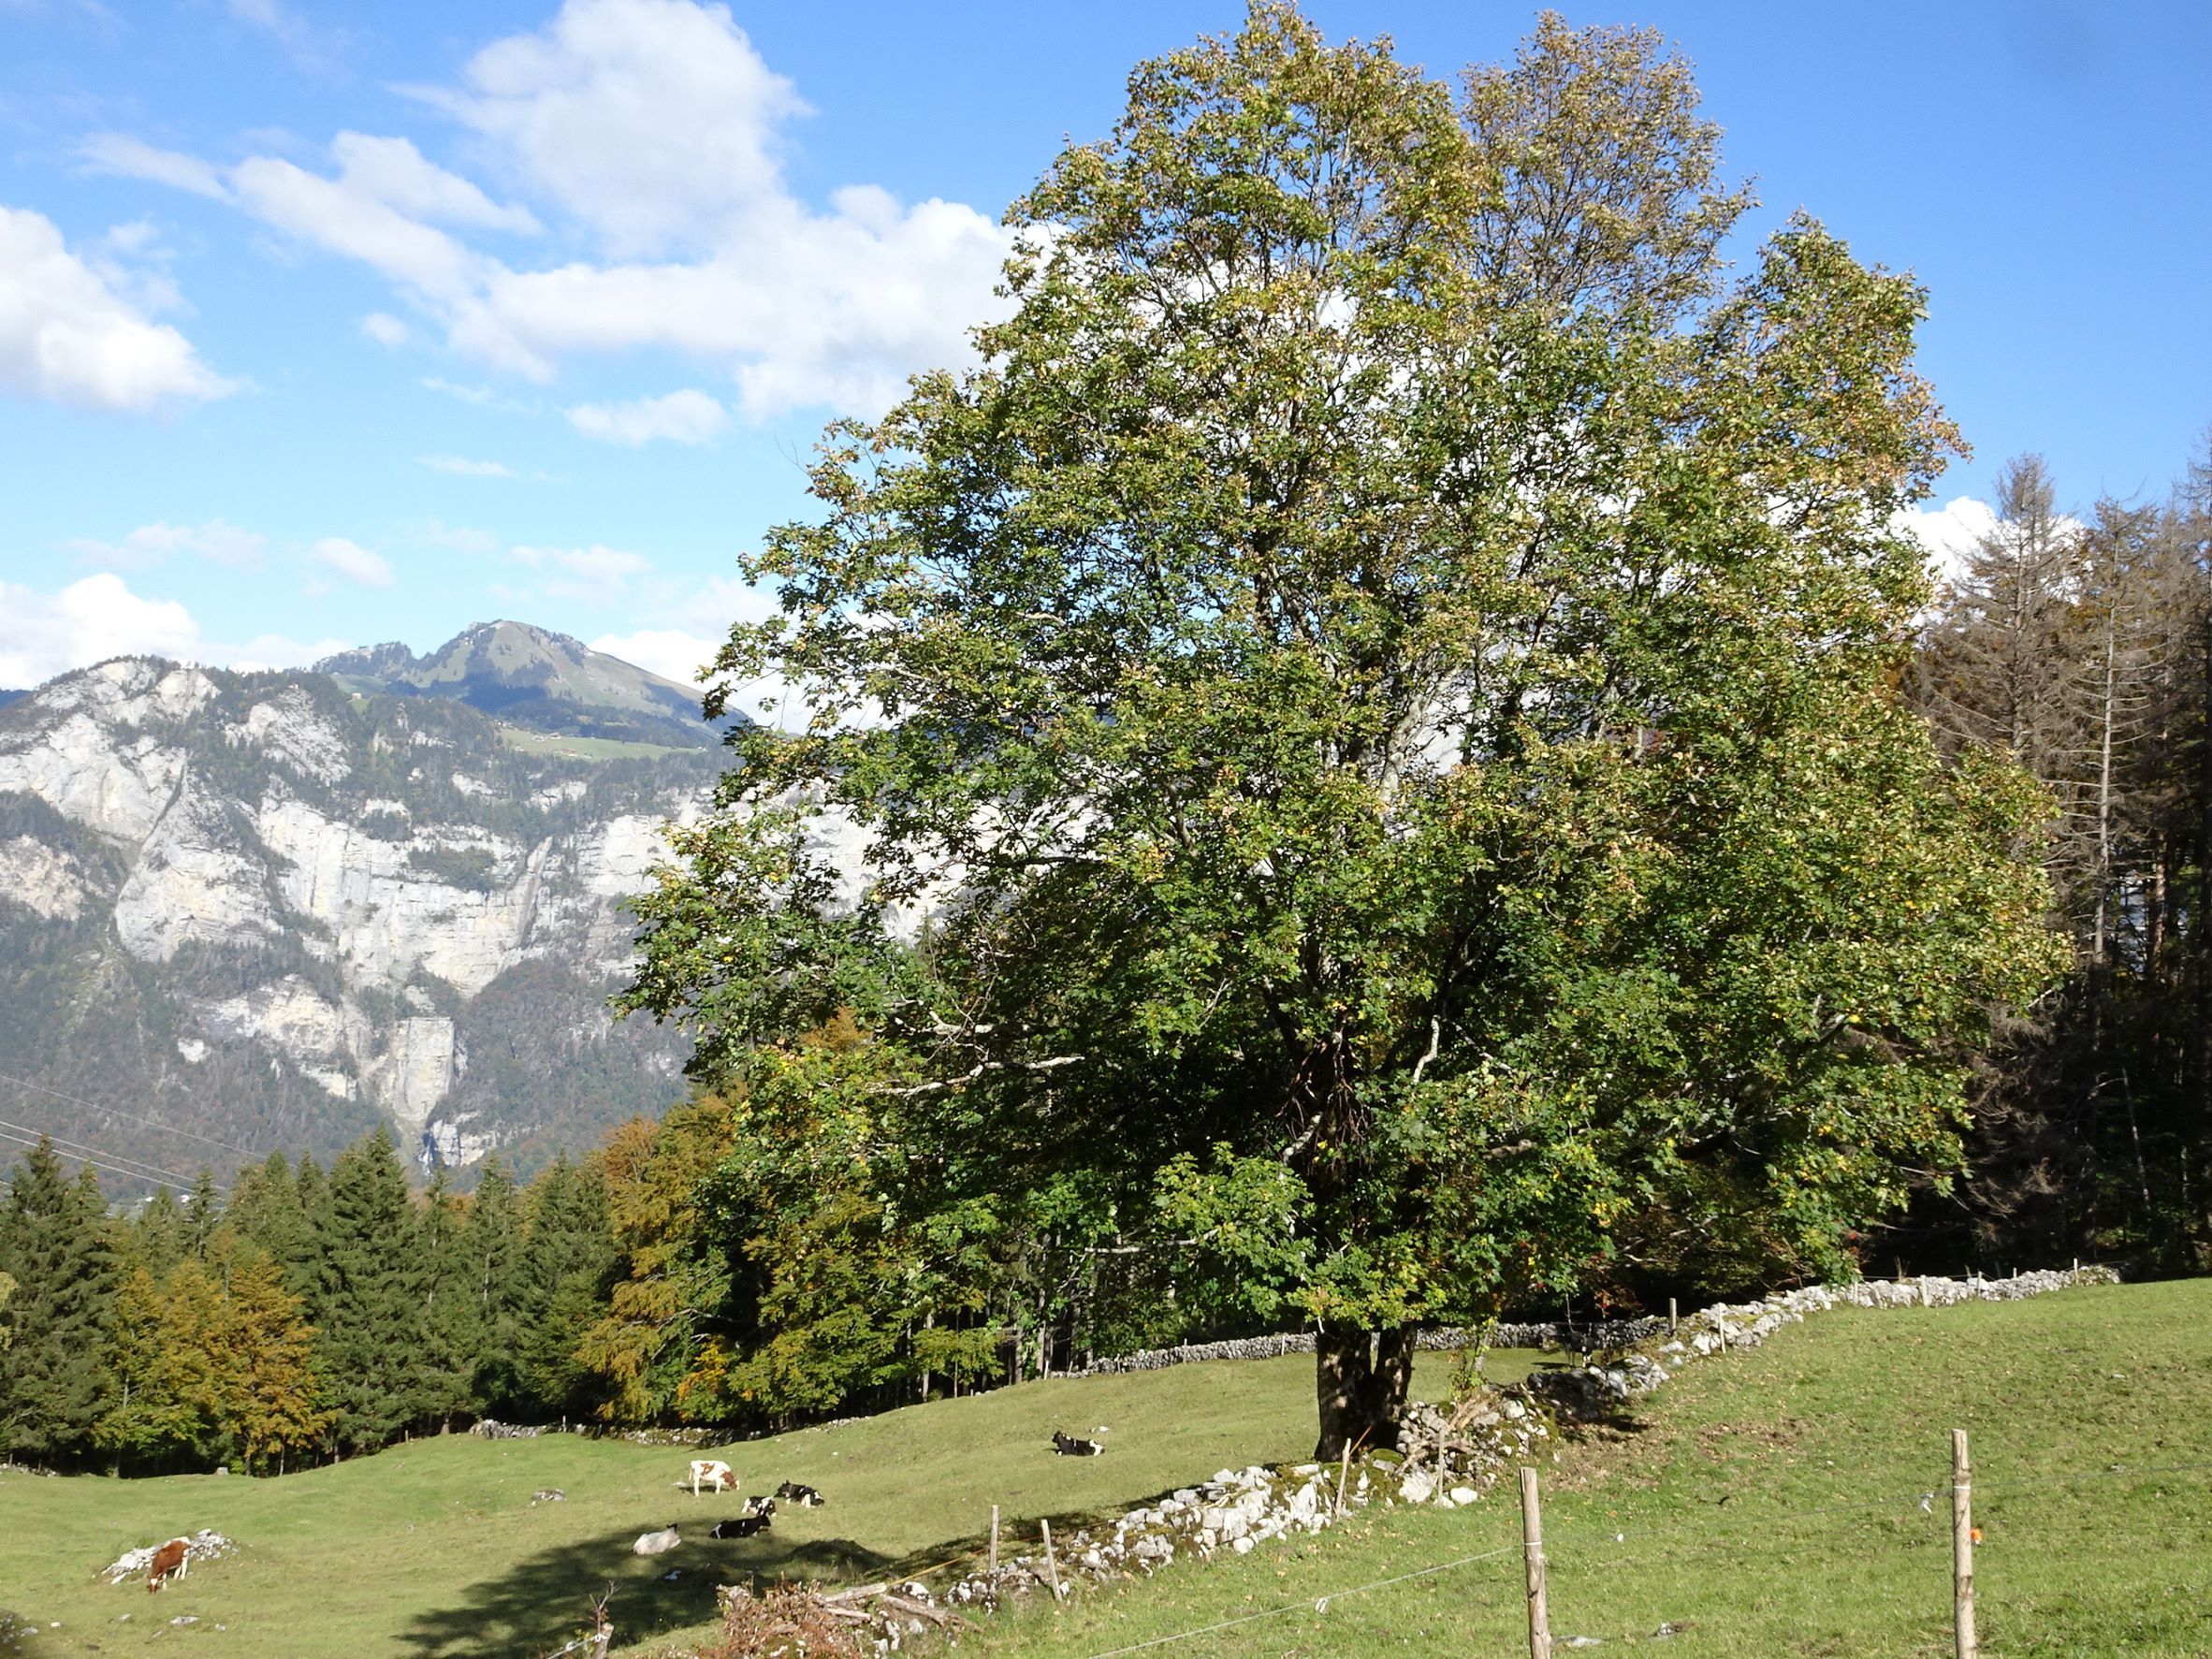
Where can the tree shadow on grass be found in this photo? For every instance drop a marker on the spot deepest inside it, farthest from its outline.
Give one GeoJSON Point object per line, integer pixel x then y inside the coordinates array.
{"type": "Point", "coordinates": [541, 1601]}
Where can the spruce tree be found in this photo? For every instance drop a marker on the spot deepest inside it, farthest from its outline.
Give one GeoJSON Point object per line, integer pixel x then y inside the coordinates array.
{"type": "Point", "coordinates": [568, 1259]}
{"type": "Point", "coordinates": [369, 1299]}
{"type": "Point", "coordinates": [452, 1321]}
{"type": "Point", "coordinates": [265, 1208]}
{"type": "Point", "coordinates": [156, 1238]}
{"type": "Point", "coordinates": [56, 1243]}
{"type": "Point", "coordinates": [493, 1249]}
{"type": "Point", "coordinates": [314, 1213]}
{"type": "Point", "coordinates": [203, 1214]}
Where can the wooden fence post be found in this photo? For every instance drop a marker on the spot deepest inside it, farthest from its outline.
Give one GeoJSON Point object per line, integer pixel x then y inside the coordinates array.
{"type": "Point", "coordinates": [994, 1540]}
{"type": "Point", "coordinates": [1532, 1541]}
{"type": "Point", "coordinates": [1343, 1473]}
{"type": "Point", "coordinates": [1671, 1321]}
{"type": "Point", "coordinates": [1962, 1548]}
{"type": "Point", "coordinates": [1052, 1568]}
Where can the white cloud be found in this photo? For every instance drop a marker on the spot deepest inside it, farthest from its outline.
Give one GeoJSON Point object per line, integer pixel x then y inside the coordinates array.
{"type": "Point", "coordinates": [385, 330]}
{"type": "Point", "coordinates": [1949, 532]}
{"type": "Point", "coordinates": [394, 171]}
{"type": "Point", "coordinates": [601, 566]}
{"type": "Point", "coordinates": [352, 560]}
{"type": "Point", "coordinates": [134, 158]}
{"type": "Point", "coordinates": [461, 466]}
{"type": "Point", "coordinates": [43, 635]}
{"type": "Point", "coordinates": [334, 214]}
{"type": "Point", "coordinates": [650, 126]}
{"type": "Point", "coordinates": [681, 417]}
{"type": "Point", "coordinates": [216, 541]}
{"type": "Point", "coordinates": [669, 652]}
{"type": "Point", "coordinates": [99, 617]}
{"type": "Point", "coordinates": [274, 650]}
{"type": "Point", "coordinates": [678, 650]}
{"type": "Point", "coordinates": [457, 538]}
{"type": "Point", "coordinates": [651, 121]}
{"type": "Point", "coordinates": [68, 335]}
{"type": "Point", "coordinates": [268, 15]}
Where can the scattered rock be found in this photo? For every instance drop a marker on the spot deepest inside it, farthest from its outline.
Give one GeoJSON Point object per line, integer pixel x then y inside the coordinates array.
{"type": "Point", "coordinates": [549, 1494]}
{"type": "Point", "coordinates": [204, 1545]}
{"type": "Point", "coordinates": [1446, 1457]}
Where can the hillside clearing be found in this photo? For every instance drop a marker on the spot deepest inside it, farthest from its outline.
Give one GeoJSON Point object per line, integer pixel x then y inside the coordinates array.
{"type": "Point", "coordinates": [433, 1547]}
{"type": "Point", "coordinates": [1770, 1503]}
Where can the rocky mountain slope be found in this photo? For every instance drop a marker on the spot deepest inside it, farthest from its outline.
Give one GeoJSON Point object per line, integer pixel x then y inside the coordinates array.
{"type": "Point", "coordinates": [241, 912]}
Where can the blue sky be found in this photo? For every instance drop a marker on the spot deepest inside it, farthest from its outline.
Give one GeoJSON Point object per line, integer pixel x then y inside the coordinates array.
{"type": "Point", "coordinates": [330, 323]}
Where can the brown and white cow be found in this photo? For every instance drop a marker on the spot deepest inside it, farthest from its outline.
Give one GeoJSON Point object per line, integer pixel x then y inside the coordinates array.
{"type": "Point", "coordinates": [170, 1562]}
{"type": "Point", "coordinates": [714, 1473]}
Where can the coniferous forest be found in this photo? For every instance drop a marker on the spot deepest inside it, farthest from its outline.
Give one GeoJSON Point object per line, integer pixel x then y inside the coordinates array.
{"type": "Point", "coordinates": [2078, 642]}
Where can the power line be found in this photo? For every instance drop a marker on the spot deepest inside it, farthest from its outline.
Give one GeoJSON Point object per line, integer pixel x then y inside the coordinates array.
{"type": "Point", "coordinates": [93, 1159]}
{"type": "Point", "coordinates": [23, 1141]}
{"type": "Point", "coordinates": [24, 1082]}
{"type": "Point", "coordinates": [148, 1165]}
{"type": "Point", "coordinates": [121, 1163]}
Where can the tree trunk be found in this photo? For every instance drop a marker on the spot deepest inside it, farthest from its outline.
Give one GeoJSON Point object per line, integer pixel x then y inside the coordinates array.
{"type": "Point", "coordinates": [1360, 1379]}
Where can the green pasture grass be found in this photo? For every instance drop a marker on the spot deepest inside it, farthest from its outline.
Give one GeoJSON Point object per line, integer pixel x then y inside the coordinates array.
{"type": "Point", "coordinates": [584, 749]}
{"type": "Point", "coordinates": [1770, 1503]}
{"type": "Point", "coordinates": [433, 1550]}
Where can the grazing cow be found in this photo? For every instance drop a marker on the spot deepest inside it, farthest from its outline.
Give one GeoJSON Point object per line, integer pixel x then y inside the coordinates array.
{"type": "Point", "coordinates": [1067, 1446]}
{"type": "Point", "coordinates": [790, 1491]}
{"type": "Point", "coordinates": [742, 1526]}
{"type": "Point", "coordinates": [715, 1473]}
{"type": "Point", "coordinates": [659, 1543]}
{"type": "Point", "coordinates": [169, 1561]}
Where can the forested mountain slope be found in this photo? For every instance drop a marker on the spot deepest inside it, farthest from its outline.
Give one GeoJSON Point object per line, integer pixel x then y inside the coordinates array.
{"type": "Point", "coordinates": [271, 908]}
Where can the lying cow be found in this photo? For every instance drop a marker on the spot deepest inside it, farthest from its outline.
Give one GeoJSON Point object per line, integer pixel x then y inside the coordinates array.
{"type": "Point", "coordinates": [790, 1491]}
{"type": "Point", "coordinates": [1067, 1446]}
{"type": "Point", "coordinates": [659, 1543]}
{"type": "Point", "coordinates": [170, 1562]}
{"type": "Point", "coordinates": [715, 1473]}
{"type": "Point", "coordinates": [742, 1526]}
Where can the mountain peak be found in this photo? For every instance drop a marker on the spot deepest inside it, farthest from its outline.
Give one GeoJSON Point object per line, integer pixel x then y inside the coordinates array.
{"type": "Point", "coordinates": [372, 661]}
{"type": "Point", "coordinates": [533, 676]}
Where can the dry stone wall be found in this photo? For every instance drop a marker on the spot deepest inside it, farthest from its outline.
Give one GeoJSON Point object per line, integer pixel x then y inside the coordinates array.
{"type": "Point", "coordinates": [1448, 1458]}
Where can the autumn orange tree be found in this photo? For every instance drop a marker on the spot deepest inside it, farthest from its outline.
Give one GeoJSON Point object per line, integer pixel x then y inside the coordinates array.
{"type": "Point", "coordinates": [1383, 677]}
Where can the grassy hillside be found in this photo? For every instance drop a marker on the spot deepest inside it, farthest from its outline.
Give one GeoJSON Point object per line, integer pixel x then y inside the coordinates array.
{"type": "Point", "coordinates": [434, 1549]}
{"type": "Point", "coordinates": [1770, 1501]}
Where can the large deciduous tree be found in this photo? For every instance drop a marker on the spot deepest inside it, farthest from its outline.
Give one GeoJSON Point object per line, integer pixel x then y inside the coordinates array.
{"type": "Point", "coordinates": [1383, 679]}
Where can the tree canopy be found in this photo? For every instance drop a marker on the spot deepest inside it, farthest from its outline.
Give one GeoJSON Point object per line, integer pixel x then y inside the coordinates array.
{"type": "Point", "coordinates": [1372, 711]}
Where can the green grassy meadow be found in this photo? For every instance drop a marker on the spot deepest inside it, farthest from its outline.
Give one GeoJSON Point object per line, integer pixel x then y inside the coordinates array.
{"type": "Point", "coordinates": [433, 1547]}
{"type": "Point", "coordinates": [1767, 1504]}
{"type": "Point", "coordinates": [587, 748]}
{"type": "Point", "coordinates": [1770, 1503]}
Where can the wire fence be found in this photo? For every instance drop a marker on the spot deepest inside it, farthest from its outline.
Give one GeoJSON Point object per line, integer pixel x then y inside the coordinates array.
{"type": "Point", "coordinates": [1914, 1523]}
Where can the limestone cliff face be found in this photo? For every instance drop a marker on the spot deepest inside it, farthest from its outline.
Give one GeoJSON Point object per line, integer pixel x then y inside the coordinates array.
{"type": "Point", "coordinates": [269, 910]}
